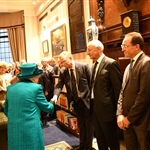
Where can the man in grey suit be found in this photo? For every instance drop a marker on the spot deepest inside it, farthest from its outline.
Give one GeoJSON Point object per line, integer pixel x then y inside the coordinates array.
{"type": "Point", "coordinates": [133, 113]}
{"type": "Point", "coordinates": [104, 96]}
{"type": "Point", "coordinates": [81, 99]}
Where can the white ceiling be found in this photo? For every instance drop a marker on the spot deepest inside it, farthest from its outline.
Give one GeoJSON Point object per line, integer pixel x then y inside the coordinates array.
{"type": "Point", "coordinates": [26, 5]}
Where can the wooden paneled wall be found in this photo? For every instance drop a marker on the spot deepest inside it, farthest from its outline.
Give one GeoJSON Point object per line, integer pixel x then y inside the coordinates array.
{"type": "Point", "coordinates": [111, 35]}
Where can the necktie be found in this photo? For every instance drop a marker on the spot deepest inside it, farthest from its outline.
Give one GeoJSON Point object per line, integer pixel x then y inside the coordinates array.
{"type": "Point", "coordinates": [74, 88]}
{"type": "Point", "coordinates": [93, 73]}
{"type": "Point", "coordinates": [131, 66]}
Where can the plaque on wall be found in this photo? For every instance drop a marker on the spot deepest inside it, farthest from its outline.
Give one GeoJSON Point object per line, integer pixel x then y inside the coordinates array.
{"type": "Point", "coordinates": [130, 22]}
{"type": "Point", "coordinates": [77, 27]}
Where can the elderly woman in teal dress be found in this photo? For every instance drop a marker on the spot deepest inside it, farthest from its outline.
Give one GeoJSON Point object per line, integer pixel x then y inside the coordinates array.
{"type": "Point", "coordinates": [24, 102]}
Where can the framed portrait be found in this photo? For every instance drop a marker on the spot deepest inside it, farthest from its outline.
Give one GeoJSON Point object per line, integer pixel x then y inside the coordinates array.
{"type": "Point", "coordinates": [45, 46]}
{"type": "Point", "coordinates": [59, 43]}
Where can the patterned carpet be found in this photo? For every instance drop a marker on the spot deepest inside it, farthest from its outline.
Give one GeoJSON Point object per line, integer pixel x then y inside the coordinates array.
{"type": "Point", "coordinates": [54, 134]}
{"type": "Point", "coordinates": [58, 146]}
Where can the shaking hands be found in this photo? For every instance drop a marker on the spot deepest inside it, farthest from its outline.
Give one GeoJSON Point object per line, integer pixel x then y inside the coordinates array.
{"type": "Point", "coordinates": [54, 99]}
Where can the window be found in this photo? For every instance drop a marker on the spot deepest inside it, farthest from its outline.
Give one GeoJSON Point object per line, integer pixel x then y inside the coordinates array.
{"type": "Point", "coordinates": [5, 53]}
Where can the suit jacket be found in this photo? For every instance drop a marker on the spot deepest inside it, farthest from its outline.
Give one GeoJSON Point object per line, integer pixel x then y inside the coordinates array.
{"type": "Point", "coordinates": [24, 102]}
{"type": "Point", "coordinates": [55, 68]}
{"type": "Point", "coordinates": [134, 99]}
{"type": "Point", "coordinates": [106, 89]}
{"type": "Point", "coordinates": [47, 81]}
{"type": "Point", "coordinates": [83, 76]}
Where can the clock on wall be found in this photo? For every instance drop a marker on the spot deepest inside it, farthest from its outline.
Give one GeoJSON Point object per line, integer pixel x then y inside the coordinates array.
{"type": "Point", "coordinates": [130, 22]}
{"type": "Point", "coordinates": [127, 22]}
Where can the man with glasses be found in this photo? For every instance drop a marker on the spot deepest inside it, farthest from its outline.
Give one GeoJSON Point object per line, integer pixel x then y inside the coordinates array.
{"type": "Point", "coordinates": [78, 93]}
{"type": "Point", "coordinates": [133, 112]}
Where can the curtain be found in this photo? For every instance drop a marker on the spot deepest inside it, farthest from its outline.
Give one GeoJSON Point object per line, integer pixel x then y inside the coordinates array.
{"type": "Point", "coordinates": [14, 23]}
{"type": "Point", "coordinates": [16, 37]}
{"type": "Point", "coordinates": [11, 19]}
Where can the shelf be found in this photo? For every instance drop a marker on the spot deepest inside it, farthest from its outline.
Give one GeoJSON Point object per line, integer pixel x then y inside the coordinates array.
{"type": "Point", "coordinates": [64, 127]}
{"type": "Point", "coordinates": [65, 109]}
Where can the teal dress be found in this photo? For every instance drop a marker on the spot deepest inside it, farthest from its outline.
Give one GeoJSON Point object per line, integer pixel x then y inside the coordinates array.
{"type": "Point", "coordinates": [24, 102]}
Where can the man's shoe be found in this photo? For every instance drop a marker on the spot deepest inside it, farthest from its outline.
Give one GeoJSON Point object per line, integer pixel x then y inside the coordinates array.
{"type": "Point", "coordinates": [44, 123]}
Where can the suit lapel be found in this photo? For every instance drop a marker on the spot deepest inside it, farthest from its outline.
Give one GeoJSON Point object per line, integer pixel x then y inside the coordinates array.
{"type": "Point", "coordinates": [137, 62]}
{"type": "Point", "coordinates": [77, 72]}
{"type": "Point", "coordinates": [126, 78]}
{"type": "Point", "coordinates": [100, 67]}
{"type": "Point", "coordinates": [126, 74]}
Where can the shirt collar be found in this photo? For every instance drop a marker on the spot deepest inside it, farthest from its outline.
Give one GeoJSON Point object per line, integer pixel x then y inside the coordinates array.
{"type": "Point", "coordinates": [100, 58]}
{"type": "Point", "coordinates": [137, 56]}
{"type": "Point", "coordinates": [73, 65]}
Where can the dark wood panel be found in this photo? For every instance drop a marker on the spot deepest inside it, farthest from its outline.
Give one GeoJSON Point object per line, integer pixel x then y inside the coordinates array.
{"type": "Point", "coordinates": [111, 36]}
{"type": "Point", "coordinates": [145, 26]}
{"type": "Point", "coordinates": [112, 40]}
{"type": "Point", "coordinates": [93, 10]}
{"type": "Point", "coordinates": [114, 8]}
{"type": "Point", "coordinates": [123, 62]}
{"type": "Point", "coordinates": [77, 27]}
{"type": "Point", "coordinates": [114, 53]}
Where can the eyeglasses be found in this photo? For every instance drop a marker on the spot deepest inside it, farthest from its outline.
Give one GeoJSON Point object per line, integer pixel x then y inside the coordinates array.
{"type": "Point", "coordinates": [125, 46]}
{"type": "Point", "coordinates": [62, 62]}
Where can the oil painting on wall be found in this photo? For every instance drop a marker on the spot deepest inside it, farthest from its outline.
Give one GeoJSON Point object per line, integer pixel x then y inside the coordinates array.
{"type": "Point", "coordinates": [58, 37]}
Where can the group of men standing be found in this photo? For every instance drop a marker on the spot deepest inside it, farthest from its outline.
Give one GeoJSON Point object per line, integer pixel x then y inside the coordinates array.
{"type": "Point", "coordinates": [103, 102]}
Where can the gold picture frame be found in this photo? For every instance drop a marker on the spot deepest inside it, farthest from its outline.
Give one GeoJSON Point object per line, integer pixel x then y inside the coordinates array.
{"type": "Point", "coordinates": [58, 38]}
{"type": "Point", "coordinates": [45, 46]}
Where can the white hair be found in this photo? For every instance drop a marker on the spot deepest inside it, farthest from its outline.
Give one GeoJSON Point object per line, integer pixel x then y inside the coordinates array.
{"type": "Point", "coordinates": [65, 54]}
{"type": "Point", "coordinates": [96, 43]}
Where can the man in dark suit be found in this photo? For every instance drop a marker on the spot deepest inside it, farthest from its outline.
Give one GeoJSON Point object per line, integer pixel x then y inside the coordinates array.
{"type": "Point", "coordinates": [105, 91]}
{"type": "Point", "coordinates": [47, 81]}
{"type": "Point", "coordinates": [133, 113]}
{"type": "Point", "coordinates": [82, 102]}
{"type": "Point", "coordinates": [52, 63]}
